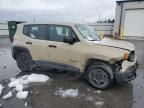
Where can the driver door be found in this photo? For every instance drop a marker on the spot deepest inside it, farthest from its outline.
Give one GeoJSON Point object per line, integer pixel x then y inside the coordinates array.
{"type": "Point", "coordinates": [60, 52]}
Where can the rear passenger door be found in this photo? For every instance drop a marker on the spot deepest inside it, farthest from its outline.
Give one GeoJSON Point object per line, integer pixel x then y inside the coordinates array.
{"type": "Point", "coordinates": [61, 52]}
{"type": "Point", "coordinates": [35, 40]}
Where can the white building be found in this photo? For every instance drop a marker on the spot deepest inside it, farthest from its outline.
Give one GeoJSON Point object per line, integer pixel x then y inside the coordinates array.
{"type": "Point", "coordinates": [129, 19]}
{"type": "Point", "coordinates": [103, 29]}
{"type": "Point", "coordinates": [4, 31]}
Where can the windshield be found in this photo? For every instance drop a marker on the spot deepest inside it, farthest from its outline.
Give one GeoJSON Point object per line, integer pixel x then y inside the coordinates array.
{"type": "Point", "coordinates": [87, 32]}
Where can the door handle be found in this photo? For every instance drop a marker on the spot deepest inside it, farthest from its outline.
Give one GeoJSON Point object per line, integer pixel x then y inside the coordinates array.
{"type": "Point", "coordinates": [28, 42]}
{"type": "Point", "coordinates": [53, 46]}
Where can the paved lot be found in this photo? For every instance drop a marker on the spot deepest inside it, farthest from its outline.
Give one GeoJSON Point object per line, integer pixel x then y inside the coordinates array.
{"type": "Point", "coordinates": [42, 95]}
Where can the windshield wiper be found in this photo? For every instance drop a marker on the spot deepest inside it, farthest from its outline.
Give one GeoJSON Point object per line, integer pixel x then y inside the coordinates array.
{"type": "Point", "coordinates": [92, 40]}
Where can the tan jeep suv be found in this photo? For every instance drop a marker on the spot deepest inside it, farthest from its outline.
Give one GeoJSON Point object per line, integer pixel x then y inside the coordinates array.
{"type": "Point", "coordinates": [74, 47]}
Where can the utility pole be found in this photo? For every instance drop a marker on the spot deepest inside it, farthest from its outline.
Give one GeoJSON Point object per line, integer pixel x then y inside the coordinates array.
{"type": "Point", "coordinates": [99, 17]}
{"type": "Point", "coordinates": [34, 19]}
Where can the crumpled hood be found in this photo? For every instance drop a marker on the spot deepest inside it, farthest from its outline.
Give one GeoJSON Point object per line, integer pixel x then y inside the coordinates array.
{"type": "Point", "coordinates": [116, 44]}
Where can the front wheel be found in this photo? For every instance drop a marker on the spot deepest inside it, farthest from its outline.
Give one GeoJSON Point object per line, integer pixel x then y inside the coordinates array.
{"type": "Point", "coordinates": [98, 75]}
{"type": "Point", "coordinates": [24, 62]}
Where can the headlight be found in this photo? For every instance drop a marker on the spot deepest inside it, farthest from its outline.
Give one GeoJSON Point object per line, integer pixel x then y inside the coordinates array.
{"type": "Point", "coordinates": [131, 56]}
{"type": "Point", "coordinates": [125, 56]}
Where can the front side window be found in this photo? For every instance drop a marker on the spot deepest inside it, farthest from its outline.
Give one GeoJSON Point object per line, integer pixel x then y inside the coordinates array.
{"type": "Point", "coordinates": [35, 31]}
{"type": "Point", "coordinates": [58, 32]}
{"type": "Point", "coordinates": [87, 32]}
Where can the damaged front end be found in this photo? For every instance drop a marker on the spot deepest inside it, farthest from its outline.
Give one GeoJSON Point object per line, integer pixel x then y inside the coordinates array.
{"type": "Point", "coordinates": [125, 71]}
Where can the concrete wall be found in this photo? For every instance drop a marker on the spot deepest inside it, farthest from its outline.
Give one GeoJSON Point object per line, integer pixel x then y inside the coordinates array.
{"type": "Point", "coordinates": [120, 17]}
{"type": "Point", "coordinates": [105, 29]}
{"type": "Point", "coordinates": [4, 29]}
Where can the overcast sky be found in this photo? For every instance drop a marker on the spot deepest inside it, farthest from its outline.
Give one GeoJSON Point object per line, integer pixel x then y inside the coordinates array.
{"type": "Point", "coordinates": [57, 10]}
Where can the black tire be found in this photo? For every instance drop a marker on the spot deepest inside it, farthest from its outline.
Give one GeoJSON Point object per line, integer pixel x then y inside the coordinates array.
{"type": "Point", "coordinates": [98, 75]}
{"type": "Point", "coordinates": [24, 61]}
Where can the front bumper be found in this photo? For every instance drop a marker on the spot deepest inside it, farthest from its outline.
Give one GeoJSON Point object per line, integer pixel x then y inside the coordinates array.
{"type": "Point", "coordinates": [128, 75]}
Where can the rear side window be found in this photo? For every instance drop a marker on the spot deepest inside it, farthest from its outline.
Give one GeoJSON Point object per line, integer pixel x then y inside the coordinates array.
{"type": "Point", "coordinates": [35, 31]}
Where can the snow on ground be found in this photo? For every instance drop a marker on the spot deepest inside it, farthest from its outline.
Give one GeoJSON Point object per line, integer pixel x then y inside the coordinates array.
{"type": "Point", "coordinates": [38, 78]}
{"type": "Point", "coordinates": [89, 98]}
{"type": "Point", "coordinates": [23, 81]}
{"type": "Point", "coordinates": [99, 103]}
{"type": "Point", "coordinates": [22, 94]}
{"type": "Point", "coordinates": [8, 95]}
{"type": "Point", "coordinates": [98, 91]}
{"type": "Point", "coordinates": [96, 100]}
{"type": "Point", "coordinates": [19, 87]}
{"type": "Point", "coordinates": [139, 87]}
{"type": "Point", "coordinates": [20, 83]}
{"type": "Point", "coordinates": [12, 79]}
{"type": "Point", "coordinates": [67, 93]}
{"type": "Point", "coordinates": [1, 89]}
{"type": "Point", "coordinates": [88, 89]}
{"type": "Point", "coordinates": [26, 79]}
{"type": "Point", "coordinates": [26, 104]}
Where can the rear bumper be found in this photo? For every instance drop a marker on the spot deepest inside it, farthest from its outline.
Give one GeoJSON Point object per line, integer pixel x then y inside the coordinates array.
{"type": "Point", "coordinates": [128, 75]}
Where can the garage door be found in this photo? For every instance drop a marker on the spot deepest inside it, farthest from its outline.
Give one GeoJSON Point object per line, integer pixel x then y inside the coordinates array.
{"type": "Point", "coordinates": [134, 23]}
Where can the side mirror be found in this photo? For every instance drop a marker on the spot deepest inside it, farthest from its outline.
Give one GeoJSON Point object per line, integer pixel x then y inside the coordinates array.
{"type": "Point", "coordinates": [32, 36]}
{"type": "Point", "coordinates": [68, 39]}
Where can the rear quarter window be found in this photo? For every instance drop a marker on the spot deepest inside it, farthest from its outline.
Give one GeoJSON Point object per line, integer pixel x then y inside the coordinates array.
{"type": "Point", "coordinates": [34, 31]}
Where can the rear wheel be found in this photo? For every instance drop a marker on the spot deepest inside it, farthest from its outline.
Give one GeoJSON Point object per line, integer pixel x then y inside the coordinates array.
{"type": "Point", "coordinates": [98, 75]}
{"type": "Point", "coordinates": [24, 61]}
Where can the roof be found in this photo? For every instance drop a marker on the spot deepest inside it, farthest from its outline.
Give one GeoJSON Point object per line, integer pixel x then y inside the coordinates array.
{"type": "Point", "coordinates": [122, 1]}
{"type": "Point", "coordinates": [17, 22]}
{"type": "Point", "coordinates": [55, 23]}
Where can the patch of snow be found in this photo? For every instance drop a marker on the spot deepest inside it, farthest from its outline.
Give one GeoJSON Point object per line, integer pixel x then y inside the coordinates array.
{"type": "Point", "coordinates": [88, 89]}
{"type": "Point", "coordinates": [38, 78]}
{"type": "Point", "coordinates": [99, 103]}
{"type": "Point", "coordinates": [26, 79]}
{"type": "Point", "coordinates": [12, 79]}
{"type": "Point", "coordinates": [67, 93]}
{"type": "Point", "coordinates": [1, 89]}
{"type": "Point", "coordinates": [8, 95]}
{"type": "Point", "coordinates": [22, 94]}
{"type": "Point", "coordinates": [139, 87]}
{"type": "Point", "coordinates": [14, 83]}
{"type": "Point", "coordinates": [98, 91]}
{"type": "Point", "coordinates": [0, 105]}
{"type": "Point", "coordinates": [89, 98]}
{"type": "Point", "coordinates": [19, 87]}
{"type": "Point", "coordinates": [20, 83]}
{"type": "Point", "coordinates": [25, 104]}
